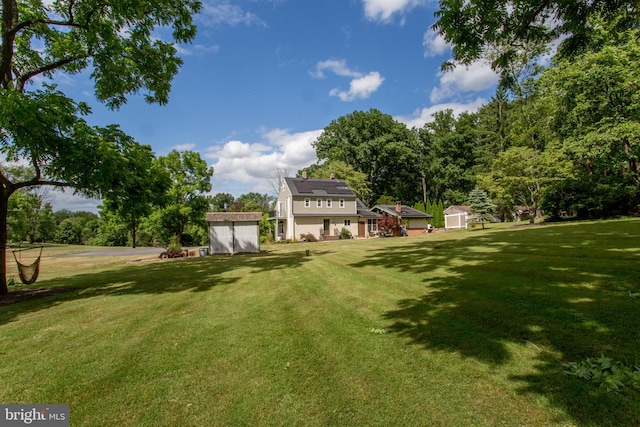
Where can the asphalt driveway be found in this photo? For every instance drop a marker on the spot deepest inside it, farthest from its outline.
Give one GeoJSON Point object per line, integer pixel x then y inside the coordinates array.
{"type": "Point", "coordinates": [120, 252]}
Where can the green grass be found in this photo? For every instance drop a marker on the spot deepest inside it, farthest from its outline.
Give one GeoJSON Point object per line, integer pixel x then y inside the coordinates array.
{"type": "Point", "coordinates": [456, 328]}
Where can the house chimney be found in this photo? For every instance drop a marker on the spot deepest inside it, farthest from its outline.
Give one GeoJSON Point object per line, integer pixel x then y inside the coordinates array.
{"type": "Point", "coordinates": [332, 176]}
{"type": "Point", "coordinates": [304, 174]}
{"type": "Point", "coordinates": [398, 207]}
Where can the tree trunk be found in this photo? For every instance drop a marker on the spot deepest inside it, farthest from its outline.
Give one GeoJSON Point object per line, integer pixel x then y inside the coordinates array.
{"type": "Point", "coordinates": [4, 206]}
{"type": "Point", "coordinates": [134, 227]}
{"type": "Point", "coordinates": [633, 164]}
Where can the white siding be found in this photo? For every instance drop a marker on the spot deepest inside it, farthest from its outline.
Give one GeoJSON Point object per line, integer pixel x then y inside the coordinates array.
{"type": "Point", "coordinates": [246, 237]}
{"type": "Point", "coordinates": [315, 226]}
{"type": "Point", "coordinates": [221, 238]}
{"type": "Point", "coordinates": [458, 220]}
{"type": "Point", "coordinates": [229, 237]}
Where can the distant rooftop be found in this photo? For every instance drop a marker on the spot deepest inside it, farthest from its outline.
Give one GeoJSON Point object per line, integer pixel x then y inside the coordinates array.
{"type": "Point", "coordinates": [405, 211]}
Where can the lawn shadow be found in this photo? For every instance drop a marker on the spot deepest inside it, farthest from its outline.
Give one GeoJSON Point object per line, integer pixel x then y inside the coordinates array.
{"type": "Point", "coordinates": [563, 290]}
{"type": "Point", "coordinates": [198, 274]}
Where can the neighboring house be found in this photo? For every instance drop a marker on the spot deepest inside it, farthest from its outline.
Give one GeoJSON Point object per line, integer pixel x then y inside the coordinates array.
{"type": "Point", "coordinates": [523, 213]}
{"type": "Point", "coordinates": [456, 217]}
{"type": "Point", "coordinates": [415, 222]}
{"type": "Point", "coordinates": [322, 207]}
{"type": "Point", "coordinates": [234, 232]}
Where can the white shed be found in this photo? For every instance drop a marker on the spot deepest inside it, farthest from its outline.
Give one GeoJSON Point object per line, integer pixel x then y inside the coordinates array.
{"type": "Point", "coordinates": [234, 232]}
{"type": "Point", "coordinates": [456, 217]}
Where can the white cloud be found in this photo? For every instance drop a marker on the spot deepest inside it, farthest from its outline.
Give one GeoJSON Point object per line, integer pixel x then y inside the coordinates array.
{"type": "Point", "coordinates": [218, 12]}
{"type": "Point", "coordinates": [464, 79]}
{"type": "Point", "coordinates": [66, 199]}
{"type": "Point", "coordinates": [197, 49]}
{"type": "Point", "coordinates": [434, 44]}
{"type": "Point", "coordinates": [384, 10]}
{"type": "Point", "coordinates": [360, 88]}
{"type": "Point", "coordinates": [184, 147]}
{"type": "Point", "coordinates": [248, 167]}
{"type": "Point", "coordinates": [425, 115]}
{"type": "Point", "coordinates": [337, 66]}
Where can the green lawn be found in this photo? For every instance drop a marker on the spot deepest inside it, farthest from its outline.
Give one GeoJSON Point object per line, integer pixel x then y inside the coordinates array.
{"type": "Point", "coordinates": [448, 329]}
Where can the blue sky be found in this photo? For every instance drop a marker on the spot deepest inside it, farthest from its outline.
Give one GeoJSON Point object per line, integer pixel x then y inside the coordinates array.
{"type": "Point", "coordinates": [264, 77]}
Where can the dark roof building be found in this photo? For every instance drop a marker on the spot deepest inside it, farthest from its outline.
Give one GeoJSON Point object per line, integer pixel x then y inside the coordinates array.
{"type": "Point", "coordinates": [318, 187]}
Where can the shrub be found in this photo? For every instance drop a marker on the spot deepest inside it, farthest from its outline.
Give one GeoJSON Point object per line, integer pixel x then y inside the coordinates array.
{"type": "Point", "coordinates": [344, 234]}
{"type": "Point", "coordinates": [309, 237]}
{"type": "Point", "coordinates": [174, 244]}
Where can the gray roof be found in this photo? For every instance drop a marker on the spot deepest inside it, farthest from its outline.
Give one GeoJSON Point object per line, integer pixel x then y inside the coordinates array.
{"type": "Point", "coordinates": [233, 216]}
{"type": "Point", "coordinates": [405, 212]}
{"type": "Point", "coordinates": [364, 211]}
{"type": "Point", "coordinates": [318, 187]}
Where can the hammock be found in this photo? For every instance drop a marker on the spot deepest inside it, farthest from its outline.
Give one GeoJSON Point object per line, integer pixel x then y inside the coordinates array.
{"type": "Point", "coordinates": [28, 273]}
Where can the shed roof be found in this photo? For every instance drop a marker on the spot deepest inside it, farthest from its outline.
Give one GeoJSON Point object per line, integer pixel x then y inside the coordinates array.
{"type": "Point", "coordinates": [405, 211]}
{"type": "Point", "coordinates": [318, 187]}
{"type": "Point", "coordinates": [233, 216]}
{"type": "Point", "coordinates": [454, 209]}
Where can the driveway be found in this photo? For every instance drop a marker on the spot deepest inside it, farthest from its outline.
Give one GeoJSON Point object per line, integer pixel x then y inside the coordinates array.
{"type": "Point", "coordinates": [120, 252]}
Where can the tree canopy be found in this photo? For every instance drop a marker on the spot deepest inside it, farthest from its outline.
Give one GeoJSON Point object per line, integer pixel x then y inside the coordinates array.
{"type": "Point", "coordinates": [119, 43]}
{"type": "Point", "coordinates": [378, 146]}
{"type": "Point", "coordinates": [500, 31]}
{"type": "Point", "coordinates": [187, 202]}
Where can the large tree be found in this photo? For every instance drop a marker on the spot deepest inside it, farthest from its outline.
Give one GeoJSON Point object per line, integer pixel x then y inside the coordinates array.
{"type": "Point", "coordinates": [380, 147]}
{"type": "Point", "coordinates": [187, 202]}
{"type": "Point", "coordinates": [42, 126]}
{"type": "Point", "coordinates": [520, 175]}
{"type": "Point", "coordinates": [448, 146]}
{"type": "Point", "coordinates": [594, 103]}
{"type": "Point", "coordinates": [505, 32]}
{"type": "Point", "coordinates": [138, 193]}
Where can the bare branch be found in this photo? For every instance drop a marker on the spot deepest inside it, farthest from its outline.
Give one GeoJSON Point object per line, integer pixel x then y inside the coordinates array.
{"type": "Point", "coordinates": [276, 179]}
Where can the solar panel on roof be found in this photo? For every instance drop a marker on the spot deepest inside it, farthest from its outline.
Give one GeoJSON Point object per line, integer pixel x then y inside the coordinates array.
{"type": "Point", "coordinates": [309, 186]}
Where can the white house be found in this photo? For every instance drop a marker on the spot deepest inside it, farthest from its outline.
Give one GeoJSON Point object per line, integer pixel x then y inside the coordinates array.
{"type": "Point", "coordinates": [322, 207]}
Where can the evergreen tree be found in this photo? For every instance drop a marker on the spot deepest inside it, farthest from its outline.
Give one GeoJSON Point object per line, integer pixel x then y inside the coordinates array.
{"type": "Point", "coordinates": [480, 207]}
{"type": "Point", "coordinates": [439, 214]}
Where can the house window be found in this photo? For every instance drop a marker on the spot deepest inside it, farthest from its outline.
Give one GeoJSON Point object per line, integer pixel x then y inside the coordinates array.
{"type": "Point", "coordinates": [329, 203]}
{"type": "Point", "coordinates": [341, 204]}
{"type": "Point", "coordinates": [319, 203]}
{"type": "Point", "coordinates": [307, 203]}
{"type": "Point", "coordinates": [372, 225]}
{"type": "Point", "coordinates": [347, 222]}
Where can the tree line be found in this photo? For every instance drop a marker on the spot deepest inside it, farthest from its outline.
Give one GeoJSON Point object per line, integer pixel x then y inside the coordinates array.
{"type": "Point", "coordinates": [170, 208]}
